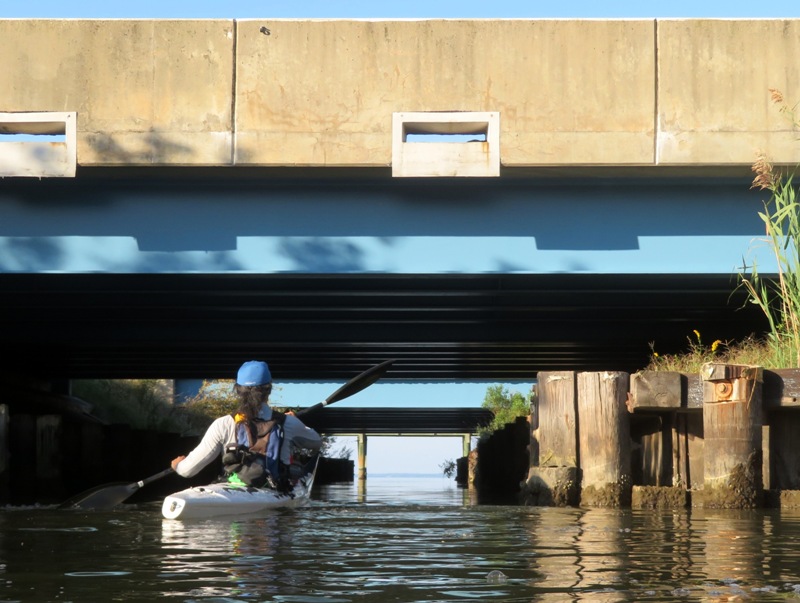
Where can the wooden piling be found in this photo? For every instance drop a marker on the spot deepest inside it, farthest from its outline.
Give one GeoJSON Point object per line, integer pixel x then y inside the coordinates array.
{"type": "Point", "coordinates": [4, 454]}
{"type": "Point", "coordinates": [556, 419]}
{"type": "Point", "coordinates": [118, 454]}
{"type": "Point", "coordinates": [49, 455]}
{"type": "Point", "coordinates": [553, 476]}
{"type": "Point", "coordinates": [22, 456]}
{"type": "Point", "coordinates": [604, 439]}
{"type": "Point", "coordinates": [783, 460]}
{"type": "Point", "coordinates": [82, 444]}
{"type": "Point", "coordinates": [732, 422]}
{"type": "Point", "coordinates": [688, 450]}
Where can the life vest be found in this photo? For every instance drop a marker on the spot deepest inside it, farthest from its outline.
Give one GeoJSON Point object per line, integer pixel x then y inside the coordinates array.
{"type": "Point", "coordinates": [256, 458]}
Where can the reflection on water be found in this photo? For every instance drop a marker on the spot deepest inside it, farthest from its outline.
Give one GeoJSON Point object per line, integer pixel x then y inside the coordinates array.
{"type": "Point", "coordinates": [401, 540]}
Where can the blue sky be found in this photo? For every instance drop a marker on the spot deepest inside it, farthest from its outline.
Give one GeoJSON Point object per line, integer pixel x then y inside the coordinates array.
{"type": "Point", "coordinates": [393, 454]}
{"type": "Point", "coordinates": [410, 9]}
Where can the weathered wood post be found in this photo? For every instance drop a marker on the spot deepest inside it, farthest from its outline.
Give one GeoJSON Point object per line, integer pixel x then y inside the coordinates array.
{"type": "Point", "coordinates": [4, 454]}
{"type": "Point", "coordinates": [780, 404]}
{"type": "Point", "coordinates": [49, 455]}
{"type": "Point", "coordinates": [655, 398]}
{"type": "Point", "coordinates": [604, 437]}
{"type": "Point", "coordinates": [657, 455]}
{"type": "Point", "coordinates": [732, 419]}
{"type": "Point", "coordinates": [553, 477]}
{"type": "Point", "coordinates": [118, 452]}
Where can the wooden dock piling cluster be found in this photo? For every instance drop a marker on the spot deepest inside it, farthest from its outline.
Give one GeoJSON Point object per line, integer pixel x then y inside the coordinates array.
{"type": "Point", "coordinates": [49, 452]}
{"type": "Point", "coordinates": [723, 438]}
{"type": "Point", "coordinates": [46, 458]}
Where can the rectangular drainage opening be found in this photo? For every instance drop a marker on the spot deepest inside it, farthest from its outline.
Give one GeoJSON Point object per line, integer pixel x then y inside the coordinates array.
{"type": "Point", "coordinates": [445, 138]}
{"type": "Point", "coordinates": [446, 144]}
{"type": "Point", "coordinates": [38, 144]}
{"type": "Point", "coordinates": [8, 137]}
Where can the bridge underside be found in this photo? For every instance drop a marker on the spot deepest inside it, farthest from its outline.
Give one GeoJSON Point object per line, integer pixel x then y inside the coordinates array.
{"type": "Point", "coordinates": [320, 327]}
{"type": "Point", "coordinates": [184, 274]}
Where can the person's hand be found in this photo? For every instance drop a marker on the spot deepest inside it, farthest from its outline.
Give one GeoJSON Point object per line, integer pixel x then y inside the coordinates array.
{"type": "Point", "coordinates": [175, 461]}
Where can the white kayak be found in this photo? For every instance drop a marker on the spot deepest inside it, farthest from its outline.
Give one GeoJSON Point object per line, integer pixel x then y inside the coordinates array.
{"type": "Point", "coordinates": [230, 499]}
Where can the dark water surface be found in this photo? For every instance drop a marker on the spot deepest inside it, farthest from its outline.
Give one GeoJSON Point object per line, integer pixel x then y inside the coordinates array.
{"type": "Point", "coordinates": [401, 540]}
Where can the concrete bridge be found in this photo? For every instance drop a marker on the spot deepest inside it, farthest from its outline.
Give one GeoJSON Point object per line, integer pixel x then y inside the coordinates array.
{"type": "Point", "coordinates": [224, 189]}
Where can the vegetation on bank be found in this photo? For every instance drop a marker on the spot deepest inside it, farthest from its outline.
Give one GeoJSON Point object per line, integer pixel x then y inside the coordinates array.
{"type": "Point", "coordinates": [140, 403]}
{"type": "Point", "coordinates": [751, 351]}
{"type": "Point", "coordinates": [148, 404]}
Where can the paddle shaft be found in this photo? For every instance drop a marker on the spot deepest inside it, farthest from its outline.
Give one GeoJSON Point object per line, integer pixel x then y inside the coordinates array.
{"type": "Point", "coordinates": [152, 478]}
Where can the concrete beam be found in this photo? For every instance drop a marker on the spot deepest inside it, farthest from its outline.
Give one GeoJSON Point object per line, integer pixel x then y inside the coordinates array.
{"type": "Point", "coordinates": [146, 92]}
{"type": "Point", "coordinates": [569, 93]}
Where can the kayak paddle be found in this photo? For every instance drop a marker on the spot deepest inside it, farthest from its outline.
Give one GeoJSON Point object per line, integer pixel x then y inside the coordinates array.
{"type": "Point", "coordinates": [108, 496]}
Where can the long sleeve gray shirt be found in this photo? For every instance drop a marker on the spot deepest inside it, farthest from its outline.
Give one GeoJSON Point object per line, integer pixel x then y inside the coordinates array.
{"type": "Point", "coordinates": [223, 432]}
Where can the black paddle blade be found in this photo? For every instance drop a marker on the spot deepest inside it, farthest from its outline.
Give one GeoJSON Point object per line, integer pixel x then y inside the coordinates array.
{"type": "Point", "coordinates": [359, 382]}
{"type": "Point", "coordinates": [108, 496]}
{"type": "Point", "coordinates": [101, 498]}
{"type": "Point", "coordinates": [355, 385]}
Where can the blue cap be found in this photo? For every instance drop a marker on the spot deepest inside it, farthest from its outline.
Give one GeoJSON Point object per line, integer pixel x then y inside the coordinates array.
{"type": "Point", "coordinates": [254, 372]}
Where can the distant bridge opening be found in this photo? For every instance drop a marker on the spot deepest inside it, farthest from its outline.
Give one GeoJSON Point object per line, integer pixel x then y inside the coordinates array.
{"type": "Point", "coordinates": [404, 454]}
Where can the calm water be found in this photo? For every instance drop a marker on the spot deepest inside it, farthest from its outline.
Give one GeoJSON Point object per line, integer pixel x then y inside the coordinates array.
{"type": "Point", "coordinates": [401, 540]}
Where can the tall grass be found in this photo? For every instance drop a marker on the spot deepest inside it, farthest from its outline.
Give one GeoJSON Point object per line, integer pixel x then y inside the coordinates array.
{"type": "Point", "coordinates": [778, 298]}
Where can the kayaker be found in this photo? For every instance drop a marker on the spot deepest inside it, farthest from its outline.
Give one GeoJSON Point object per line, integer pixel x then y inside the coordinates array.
{"type": "Point", "coordinates": [229, 433]}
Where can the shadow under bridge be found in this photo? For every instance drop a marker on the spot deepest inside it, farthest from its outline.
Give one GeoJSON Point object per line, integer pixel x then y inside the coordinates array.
{"type": "Point", "coordinates": [362, 422]}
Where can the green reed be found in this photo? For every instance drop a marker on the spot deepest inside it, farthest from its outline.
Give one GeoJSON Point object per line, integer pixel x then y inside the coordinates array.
{"type": "Point", "coordinates": [779, 296]}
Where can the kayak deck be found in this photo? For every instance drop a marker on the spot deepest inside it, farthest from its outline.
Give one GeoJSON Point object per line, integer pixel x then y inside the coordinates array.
{"type": "Point", "coordinates": [225, 498]}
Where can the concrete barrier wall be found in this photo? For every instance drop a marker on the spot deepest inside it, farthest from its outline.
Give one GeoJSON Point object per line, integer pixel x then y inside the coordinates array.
{"type": "Point", "coordinates": [322, 92]}
{"type": "Point", "coordinates": [145, 92]}
{"type": "Point", "coordinates": [714, 77]}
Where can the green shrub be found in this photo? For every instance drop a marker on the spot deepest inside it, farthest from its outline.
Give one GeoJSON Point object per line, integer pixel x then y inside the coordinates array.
{"type": "Point", "coordinates": [505, 405]}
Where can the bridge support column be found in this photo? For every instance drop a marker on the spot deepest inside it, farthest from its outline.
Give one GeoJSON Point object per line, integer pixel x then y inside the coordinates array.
{"type": "Point", "coordinates": [467, 441]}
{"type": "Point", "coordinates": [362, 456]}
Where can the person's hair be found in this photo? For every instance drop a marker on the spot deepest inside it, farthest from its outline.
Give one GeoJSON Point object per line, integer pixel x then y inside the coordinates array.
{"type": "Point", "coordinates": [251, 398]}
